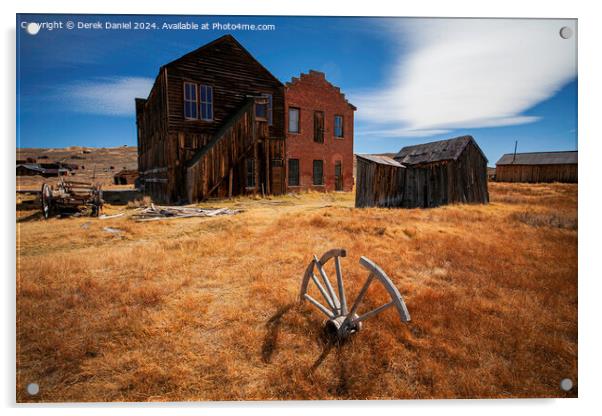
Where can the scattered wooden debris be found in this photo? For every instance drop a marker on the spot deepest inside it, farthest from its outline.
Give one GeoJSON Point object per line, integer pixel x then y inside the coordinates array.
{"type": "Point", "coordinates": [156, 212]}
{"type": "Point", "coordinates": [112, 230]}
{"type": "Point", "coordinates": [106, 217]}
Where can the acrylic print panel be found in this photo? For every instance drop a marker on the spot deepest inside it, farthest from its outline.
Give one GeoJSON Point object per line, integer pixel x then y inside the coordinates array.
{"type": "Point", "coordinates": [295, 208]}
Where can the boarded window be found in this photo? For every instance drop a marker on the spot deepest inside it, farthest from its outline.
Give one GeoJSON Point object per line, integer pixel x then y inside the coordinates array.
{"type": "Point", "coordinates": [318, 172]}
{"type": "Point", "coordinates": [338, 126]}
{"type": "Point", "coordinates": [250, 173]}
{"type": "Point", "coordinates": [293, 172]}
{"type": "Point", "coordinates": [190, 101]}
{"type": "Point", "coordinates": [206, 102]}
{"type": "Point", "coordinates": [319, 126]}
{"type": "Point", "coordinates": [293, 120]}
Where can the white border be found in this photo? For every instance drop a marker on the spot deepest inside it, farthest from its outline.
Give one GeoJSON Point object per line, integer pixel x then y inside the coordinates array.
{"type": "Point", "coordinates": [590, 275]}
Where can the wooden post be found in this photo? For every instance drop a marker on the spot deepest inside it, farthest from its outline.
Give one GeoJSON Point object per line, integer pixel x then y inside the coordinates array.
{"type": "Point", "coordinates": [230, 182]}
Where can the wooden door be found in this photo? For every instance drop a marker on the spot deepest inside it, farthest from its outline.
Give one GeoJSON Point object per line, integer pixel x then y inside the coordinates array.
{"type": "Point", "coordinates": [319, 126]}
{"type": "Point", "coordinates": [338, 176]}
{"type": "Point", "coordinates": [277, 176]}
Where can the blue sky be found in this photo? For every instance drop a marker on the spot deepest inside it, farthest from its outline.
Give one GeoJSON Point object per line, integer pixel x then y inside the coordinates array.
{"type": "Point", "coordinates": [413, 80]}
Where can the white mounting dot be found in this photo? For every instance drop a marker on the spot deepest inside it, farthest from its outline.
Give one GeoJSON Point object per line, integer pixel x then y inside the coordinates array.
{"type": "Point", "coordinates": [33, 389]}
{"type": "Point", "coordinates": [566, 384]}
{"type": "Point", "coordinates": [32, 28]}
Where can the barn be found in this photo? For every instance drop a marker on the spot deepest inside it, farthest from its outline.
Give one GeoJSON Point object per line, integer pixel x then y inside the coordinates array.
{"type": "Point", "coordinates": [538, 167]}
{"type": "Point", "coordinates": [434, 174]}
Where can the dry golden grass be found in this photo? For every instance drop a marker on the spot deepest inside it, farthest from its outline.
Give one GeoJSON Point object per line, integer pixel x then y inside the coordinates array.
{"type": "Point", "coordinates": [206, 309]}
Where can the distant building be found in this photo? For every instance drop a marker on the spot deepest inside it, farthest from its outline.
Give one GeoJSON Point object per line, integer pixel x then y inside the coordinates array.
{"type": "Point", "coordinates": [125, 177]}
{"type": "Point", "coordinates": [434, 174]}
{"type": "Point", "coordinates": [32, 169]}
{"type": "Point", "coordinates": [537, 167]}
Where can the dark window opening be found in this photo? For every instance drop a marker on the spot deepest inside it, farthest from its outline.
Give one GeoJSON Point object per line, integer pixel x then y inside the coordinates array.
{"type": "Point", "coordinates": [318, 172]}
{"type": "Point", "coordinates": [338, 126]}
{"type": "Point", "coordinates": [293, 172]}
{"type": "Point", "coordinates": [264, 111]}
{"type": "Point", "coordinates": [319, 126]}
{"type": "Point", "coordinates": [206, 102]}
{"type": "Point", "coordinates": [190, 101]}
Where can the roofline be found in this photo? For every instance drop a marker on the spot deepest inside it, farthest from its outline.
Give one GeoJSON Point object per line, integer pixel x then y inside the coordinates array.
{"type": "Point", "coordinates": [531, 153]}
{"type": "Point", "coordinates": [221, 39]}
{"type": "Point", "coordinates": [296, 79]}
{"type": "Point", "coordinates": [472, 140]}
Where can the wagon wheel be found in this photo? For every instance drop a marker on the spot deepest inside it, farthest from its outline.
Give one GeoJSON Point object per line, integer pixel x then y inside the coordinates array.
{"type": "Point", "coordinates": [342, 321]}
{"type": "Point", "coordinates": [97, 201]}
{"type": "Point", "coordinates": [47, 203]}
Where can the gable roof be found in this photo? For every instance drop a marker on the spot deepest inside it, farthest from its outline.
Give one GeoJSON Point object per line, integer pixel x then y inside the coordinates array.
{"type": "Point", "coordinates": [539, 158]}
{"type": "Point", "coordinates": [223, 39]}
{"type": "Point", "coordinates": [449, 149]}
{"type": "Point", "coordinates": [381, 160]}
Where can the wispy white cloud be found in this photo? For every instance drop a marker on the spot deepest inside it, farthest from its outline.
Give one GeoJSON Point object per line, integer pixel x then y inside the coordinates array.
{"type": "Point", "coordinates": [467, 73]}
{"type": "Point", "coordinates": [106, 96]}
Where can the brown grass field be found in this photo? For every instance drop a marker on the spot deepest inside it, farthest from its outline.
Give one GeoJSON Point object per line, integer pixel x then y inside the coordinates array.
{"type": "Point", "coordinates": [206, 309]}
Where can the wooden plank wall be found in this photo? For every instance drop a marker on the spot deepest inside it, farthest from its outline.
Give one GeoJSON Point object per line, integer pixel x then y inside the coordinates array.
{"type": "Point", "coordinates": [245, 137]}
{"type": "Point", "coordinates": [537, 173]}
{"type": "Point", "coordinates": [423, 186]}
{"type": "Point", "coordinates": [155, 152]}
{"type": "Point", "coordinates": [378, 185]}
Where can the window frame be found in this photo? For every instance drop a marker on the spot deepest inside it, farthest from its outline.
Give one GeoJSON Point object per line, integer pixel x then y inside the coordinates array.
{"type": "Point", "coordinates": [313, 173]}
{"type": "Point", "coordinates": [201, 102]}
{"type": "Point", "coordinates": [298, 176]}
{"type": "Point", "coordinates": [322, 139]}
{"type": "Point", "coordinates": [342, 136]}
{"type": "Point", "coordinates": [298, 120]}
{"type": "Point", "coordinates": [186, 100]}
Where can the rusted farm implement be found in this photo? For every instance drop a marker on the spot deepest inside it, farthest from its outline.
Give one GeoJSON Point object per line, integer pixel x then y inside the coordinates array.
{"type": "Point", "coordinates": [71, 196]}
{"type": "Point", "coordinates": [342, 321]}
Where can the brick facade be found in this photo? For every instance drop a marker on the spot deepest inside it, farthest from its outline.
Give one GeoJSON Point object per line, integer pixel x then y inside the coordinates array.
{"type": "Point", "coordinates": [311, 93]}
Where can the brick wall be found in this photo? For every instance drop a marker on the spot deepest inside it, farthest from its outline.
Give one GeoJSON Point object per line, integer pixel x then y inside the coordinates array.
{"type": "Point", "coordinates": [309, 93]}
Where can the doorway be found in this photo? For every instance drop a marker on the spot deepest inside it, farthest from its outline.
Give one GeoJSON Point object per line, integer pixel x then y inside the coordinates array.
{"type": "Point", "coordinates": [338, 176]}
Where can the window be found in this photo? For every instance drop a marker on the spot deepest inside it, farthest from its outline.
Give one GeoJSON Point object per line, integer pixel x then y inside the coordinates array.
{"type": "Point", "coordinates": [338, 126]}
{"type": "Point", "coordinates": [319, 126]}
{"type": "Point", "coordinates": [293, 120]}
{"type": "Point", "coordinates": [190, 101]}
{"type": "Point", "coordinates": [206, 102]}
{"type": "Point", "coordinates": [293, 172]}
{"type": "Point", "coordinates": [264, 111]}
{"type": "Point", "coordinates": [250, 173]}
{"type": "Point", "coordinates": [318, 172]}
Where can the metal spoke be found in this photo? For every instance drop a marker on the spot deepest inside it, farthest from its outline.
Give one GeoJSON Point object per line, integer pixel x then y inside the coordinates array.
{"type": "Point", "coordinates": [319, 306]}
{"type": "Point", "coordinates": [337, 265]}
{"type": "Point", "coordinates": [329, 288]}
{"type": "Point", "coordinates": [323, 292]}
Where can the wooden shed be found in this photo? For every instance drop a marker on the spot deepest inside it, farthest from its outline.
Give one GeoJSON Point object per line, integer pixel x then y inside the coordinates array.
{"type": "Point", "coordinates": [379, 181]}
{"type": "Point", "coordinates": [538, 167]}
{"type": "Point", "coordinates": [437, 173]}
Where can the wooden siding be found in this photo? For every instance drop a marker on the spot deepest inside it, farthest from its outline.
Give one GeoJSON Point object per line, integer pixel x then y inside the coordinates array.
{"type": "Point", "coordinates": [537, 173]}
{"type": "Point", "coordinates": [234, 75]}
{"type": "Point", "coordinates": [168, 142]}
{"type": "Point", "coordinates": [378, 184]}
{"type": "Point", "coordinates": [219, 169]}
{"type": "Point", "coordinates": [463, 180]}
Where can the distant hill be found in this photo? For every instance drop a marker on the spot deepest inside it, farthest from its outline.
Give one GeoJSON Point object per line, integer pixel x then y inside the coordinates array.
{"type": "Point", "coordinates": [94, 164]}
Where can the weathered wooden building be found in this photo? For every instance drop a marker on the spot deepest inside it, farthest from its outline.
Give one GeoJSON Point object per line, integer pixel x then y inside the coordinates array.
{"type": "Point", "coordinates": [126, 177]}
{"type": "Point", "coordinates": [538, 167]}
{"type": "Point", "coordinates": [437, 173]}
{"type": "Point", "coordinates": [380, 182]}
{"type": "Point", "coordinates": [212, 125]}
